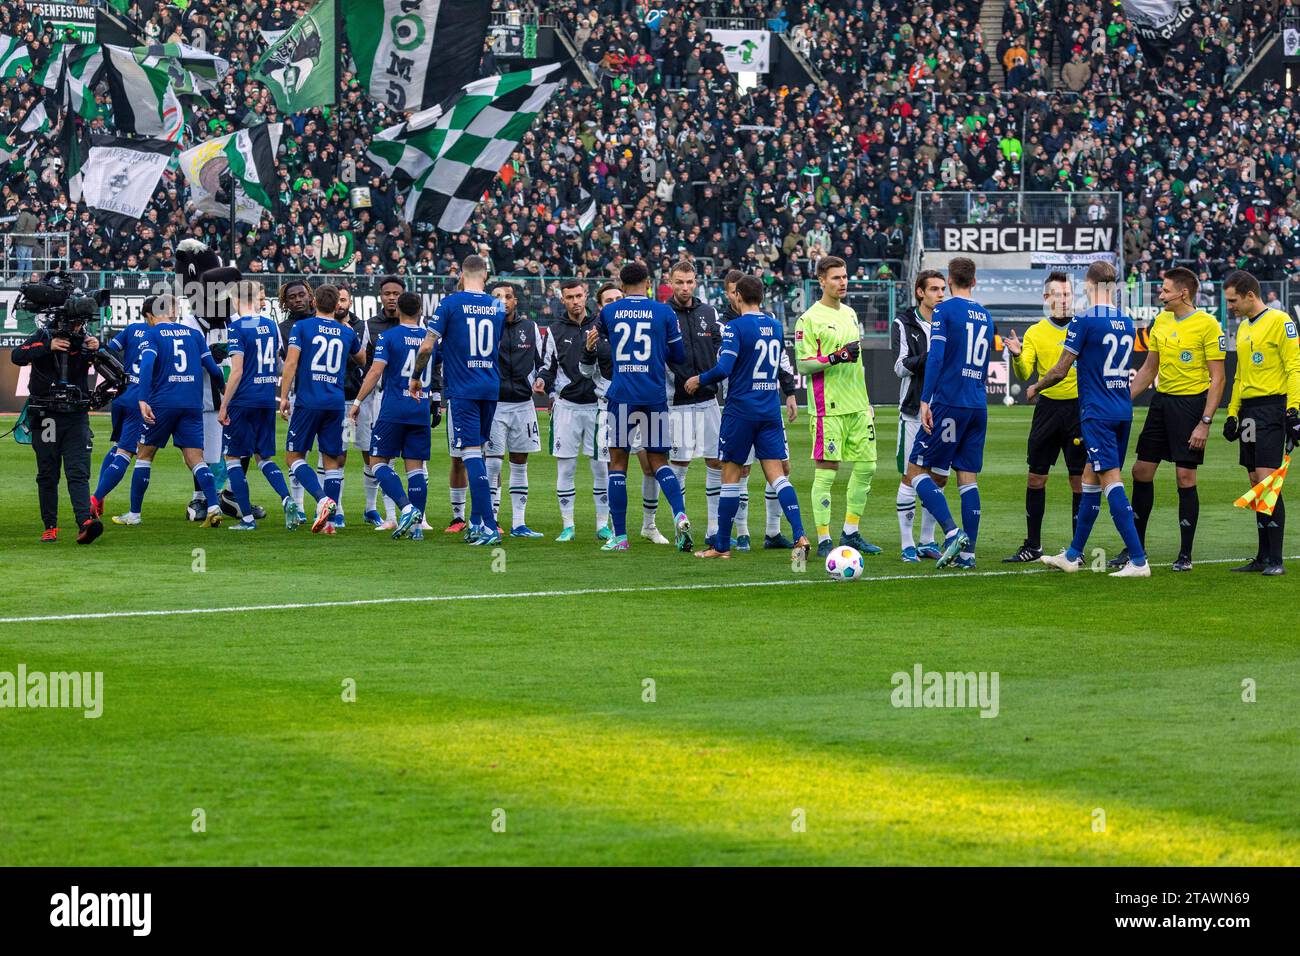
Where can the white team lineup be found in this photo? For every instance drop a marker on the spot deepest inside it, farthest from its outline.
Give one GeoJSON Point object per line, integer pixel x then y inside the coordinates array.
{"type": "Point", "coordinates": [631, 377]}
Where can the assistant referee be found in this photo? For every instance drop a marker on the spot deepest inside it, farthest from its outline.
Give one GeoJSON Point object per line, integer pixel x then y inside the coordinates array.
{"type": "Point", "coordinates": [1264, 410]}
{"type": "Point", "coordinates": [1185, 357]}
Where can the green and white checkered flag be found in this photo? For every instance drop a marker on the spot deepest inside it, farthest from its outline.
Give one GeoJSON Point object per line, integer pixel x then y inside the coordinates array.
{"type": "Point", "coordinates": [445, 157]}
{"type": "Point", "coordinates": [14, 56]}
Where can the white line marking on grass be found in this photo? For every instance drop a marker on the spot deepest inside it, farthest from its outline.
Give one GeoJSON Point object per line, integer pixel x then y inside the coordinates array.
{"type": "Point", "coordinates": [515, 595]}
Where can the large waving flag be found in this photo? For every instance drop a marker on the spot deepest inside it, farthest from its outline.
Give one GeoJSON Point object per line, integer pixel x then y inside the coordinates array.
{"type": "Point", "coordinates": [14, 56]}
{"type": "Point", "coordinates": [299, 67]}
{"type": "Point", "coordinates": [249, 156]}
{"type": "Point", "coordinates": [414, 55]}
{"type": "Point", "coordinates": [75, 69]}
{"type": "Point", "coordinates": [120, 175]}
{"type": "Point", "coordinates": [144, 102]}
{"type": "Point", "coordinates": [1263, 497]}
{"type": "Point", "coordinates": [444, 158]}
{"type": "Point", "coordinates": [190, 69]}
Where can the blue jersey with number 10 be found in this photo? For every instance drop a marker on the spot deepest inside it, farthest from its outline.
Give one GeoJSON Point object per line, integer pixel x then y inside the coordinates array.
{"type": "Point", "coordinates": [257, 339]}
{"type": "Point", "coordinates": [468, 325]}
{"type": "Point", "coordinates": [644, 336]}
{"type": "Point", "coordinates": [324, 346]}
{"type": "Point", "coordinates": [961, 338]}
{"type": "Point", "coordinates": [1102, 338]}
{"type": "Point", "coordinates": [397, 348]}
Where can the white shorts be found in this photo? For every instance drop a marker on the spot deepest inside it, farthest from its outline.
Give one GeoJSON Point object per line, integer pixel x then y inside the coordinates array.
{"type": "Point", "coordinates": [695, 431]}
{"type": "Point", "coordinates": [213, 440]}
{"type": "Point", "coordinates": [452, 450]}
{"type": "Point", "coordinates": [908, 429]}
{"type": "Point", "coordinates": [359, 436]}
{"type": "Point", "coordinates": [578, 429]}
{"type": "Point", "coordinates": [514, 429]}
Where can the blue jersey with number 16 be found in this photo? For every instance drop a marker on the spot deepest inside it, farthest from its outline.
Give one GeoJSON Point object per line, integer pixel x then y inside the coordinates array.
{"type": "Point", "coordinates": [961, 337]}
{"type": "Point", "coordinates": [1102, 338]}
{"type": "Point", "coordinates": [468, 325]}
{"type": "Point", "coordinates": [322, 364]}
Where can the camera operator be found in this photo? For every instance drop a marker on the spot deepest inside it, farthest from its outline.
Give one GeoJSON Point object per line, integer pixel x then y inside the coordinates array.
{"type": "Point", "coordinates": [60, 366]}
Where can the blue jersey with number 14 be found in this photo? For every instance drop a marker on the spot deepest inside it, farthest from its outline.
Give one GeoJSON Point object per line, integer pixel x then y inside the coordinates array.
{"type": "Point", "coordinates": [324, 345]}
{"type": "Point", "coordinates": [257, 339]}
{"type": "Point", "coordinates": [1102, 338]}
{"type": "Point", "coordinates": [961, 337]}
{"type": "Point", "coordinates": [468, 325]}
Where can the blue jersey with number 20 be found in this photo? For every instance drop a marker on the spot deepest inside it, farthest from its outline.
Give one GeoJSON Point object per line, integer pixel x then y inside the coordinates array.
{"type": "Point", "coordinates": [468, 325]}
{"type": "Point", "coordinates": [322, 365]}
{"type": "Point", "coordinates": [1102, 338]}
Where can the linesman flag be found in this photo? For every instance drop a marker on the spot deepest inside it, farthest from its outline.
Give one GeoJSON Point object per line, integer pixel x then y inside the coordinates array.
{"type": "Point", "coordinates": [444, 158]}
{"type": "Point", "coordinates": [413, 54]}
{"type": "Point", "coordinates": [1263, 497]}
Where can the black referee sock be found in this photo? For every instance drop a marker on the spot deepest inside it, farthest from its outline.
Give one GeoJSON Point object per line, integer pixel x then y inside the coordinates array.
{"type": "Point", "coordinates": [1261, 528]}
{"type": "Point", "coordinates": [1035, 505]}
{"type": "Point", "coordinates": [1074, 512]}
{"type": "Point", "coordinates": [1274, 526]}
{"type": "Point", "coordinates": [1189, 512]}
{"type": "Point", "coordinates": [1144, 499]}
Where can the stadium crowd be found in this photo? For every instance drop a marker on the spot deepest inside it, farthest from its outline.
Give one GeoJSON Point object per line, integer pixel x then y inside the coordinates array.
{"type": "Point", "coordinates": [680, 160]}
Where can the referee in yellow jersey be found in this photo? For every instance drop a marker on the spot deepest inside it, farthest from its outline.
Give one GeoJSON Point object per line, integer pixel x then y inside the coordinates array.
{"type": "Point", "coordinates": [1055, 428]}
{"type": "Point", "coordinates": [1264, 411]}
{"type": "Point", "coordinates": [1185, 354]}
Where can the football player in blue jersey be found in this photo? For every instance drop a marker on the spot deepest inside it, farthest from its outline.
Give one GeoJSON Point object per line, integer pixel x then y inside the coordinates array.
{"type": "Point", "coordinates": [172, 358]}
{"type": "Point", "coordinates": [750, 360]}
{"type": "Point", "coordinates": [328, 345]}
{"type": "Point", "coordinates": [467, 327]}
{"type": "Point", "coordinates": [1099, 342]}
{"type": "Point", "coordinates": [954, 413]}
{"type": "Point", "coordinates": [127, 423]}
{"type": "Point", "coordinates": [644, 336]}
{"type": "Point", "coordinates": [247, 412]}
{"type": "Point", "coordinates": [402, 427]}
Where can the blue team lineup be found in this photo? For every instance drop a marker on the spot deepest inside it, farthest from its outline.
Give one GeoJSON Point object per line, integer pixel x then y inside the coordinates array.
{"type": "Point", "coordinates": [643, 379]}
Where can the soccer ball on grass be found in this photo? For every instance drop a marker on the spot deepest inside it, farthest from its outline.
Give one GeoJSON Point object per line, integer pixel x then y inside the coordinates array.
{"type": "Point", "coordinates": [844, 564]}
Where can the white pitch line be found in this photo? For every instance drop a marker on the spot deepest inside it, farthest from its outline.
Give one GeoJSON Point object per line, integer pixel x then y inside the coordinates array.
{"type": "Point", "coordinates": [515, 595]}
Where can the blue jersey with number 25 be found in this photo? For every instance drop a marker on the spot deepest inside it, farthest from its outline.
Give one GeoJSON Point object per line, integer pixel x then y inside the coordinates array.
{"type": "Point", "coordinates": [1102, 338]}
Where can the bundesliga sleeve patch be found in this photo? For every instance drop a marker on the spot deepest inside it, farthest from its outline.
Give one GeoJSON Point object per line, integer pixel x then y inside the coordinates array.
{"type": "Point", "coordinates": [798, 335]}
{"type": "Point", "coordinates": [1290, 330]}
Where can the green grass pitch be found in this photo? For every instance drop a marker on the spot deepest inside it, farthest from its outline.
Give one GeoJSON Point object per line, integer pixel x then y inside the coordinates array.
{"type": "Point", "coordinates": [1122, 736]}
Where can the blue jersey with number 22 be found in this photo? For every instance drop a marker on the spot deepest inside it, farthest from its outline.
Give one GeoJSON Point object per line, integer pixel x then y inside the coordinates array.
{"type": "Point", "coordinates": [1102, 338]}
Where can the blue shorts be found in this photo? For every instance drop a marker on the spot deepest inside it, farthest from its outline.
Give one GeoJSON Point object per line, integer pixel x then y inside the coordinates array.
{"type": "Point", "coordinates": [471, 421]}
{"type": "Point", "coordinates": [738, 435]}
{"type": "Point", "coordinates": [322, 425]}
{"type": "Point", "coordinates": [251, 432]}
{"type": "Point", "coordinates": [401, 440]}
{"type": "Point", "coordinates": [957, 441]}
{"type": "Point", "coordinates": [1106, 443]}
{"type": "Point", "coordinates": [127, 424]}
{"type": "Point", "coordinates": [184, 426]}
{"type": "Point", "coordinates": [640, 426]}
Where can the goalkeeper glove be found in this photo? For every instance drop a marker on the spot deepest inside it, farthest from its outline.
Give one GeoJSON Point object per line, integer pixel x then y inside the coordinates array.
{"type": "Point", "coordinates": [1230, 431]}
{"type": "Point", "coordinates": [847, 354]}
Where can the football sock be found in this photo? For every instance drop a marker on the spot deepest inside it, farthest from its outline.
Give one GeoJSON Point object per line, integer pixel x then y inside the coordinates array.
{"type": "Point", "coordinates": [680, 472]}
{"type": "Point", "coordinates": [927, 526]}
{"type": "Point", "coordinates": [372, 488]}
{"type": "Point", "coordinates": [1189, 512]}
{"type": "Point", "coordinates": [1144, 499]}
{"type": "Point", "coordinates": [1121, 512]}
{"type": "Point", "coordinates": [728, 502]}
{"type": "Point", "coordinates": [672, 490]}
{"type": "Point", "coordinates": [905, 505]}
{"type": "Point", "coordinates": [390, 508]}
{"type": "Point", "coordinates": [458, 501]}
{"type": "Point", "coordinates": [1035, 505]}
{"type": "Point", "coordinates": [855, 497]}
{"type": "Point", "coordinates": [417, 486]}
{"type": "Point", "coordinates": [143, 469]}
{"type": "Point", "coordinates": [1276, 524]}
{"type": "Point", "coordinates": [600, 491]}
{"type": "Point", "coordinates": [339, 489]}
{"type": "Point", "coordinates": [333, 485]}
{"type": "Point", "coordinates": [275, 478]}
{"type": "Point", "coordinates": [103, 466]}
{"type": "Point", "coordinates": [970, 513]}
{"type": "Point", "coordinates": [480, 493]}
{"type": "Point", "coordinates": [789, 500]}
{"type": "Point", "coordinates": [218, 470]}
{"type": "Point", "coordinates": [494, 465]}
{"type": "Point", "coordinates": [239, 487]}
{"type": "Point", "coordinates": [306, 476]}
{"type": "Point", "coordinates": [823, 482]}
{"type": "Point", "coordinates": [203, 474]}
{"type": "Point", "coordinates": [296, 489]}
{"type": "Point", "coordinates": [114, 470]}
{"type": "Point", "coordinates": [1089, 509]}
{"type": "Point", "coordinates": [1076, 498]}
{"type": "Point", "coordinates": [518, 492]}
{"type": "Point", "coordinates": [932, 499]}
{"type": "Point", "coordinates": [742, 510]}
{"type": "Point", "coordinates": [649, 501]}
{"type": "Point", "coordinates": [618, 501]}
{"type": "Point", "coordinates": [772, 505]}
{"type": "Point", "coordinates": [1261, 528]}
{"type": "Point", "coordinates": [391, 484]}
{"type": "Point", "coordinates": [565, 469]}
{"type": "Point", "coordinates": [712, 492]}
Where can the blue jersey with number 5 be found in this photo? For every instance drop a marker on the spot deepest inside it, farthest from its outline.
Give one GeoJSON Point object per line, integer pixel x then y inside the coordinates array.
{"type": "Point", "coordinates": [257, 339]}
{"type": "Point", "coordinates": [961, 338]}
{"type": "Point", "coordinates": [1102, 338]}
{"type": "Point", "coordinates": [468, 325]}
{"type": "Point", "coordinates": [180, 363]}
{"type": "Point", "coordinates": [644, 336]}
{"type": "Point", "coordinates": [322, 365]}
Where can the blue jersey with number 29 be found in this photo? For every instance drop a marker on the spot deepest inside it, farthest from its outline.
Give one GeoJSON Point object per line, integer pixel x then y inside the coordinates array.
{"type": "Point", "coordinates": [322, 365]}
{"type": "Point", "coordinates": [468, 325]}
{"type": "Point", "coordinates": [750, 359]}
{"type": "Point", "coordinates": [961, 337]}
{"type": "Point", "coordinates": [1102, 338]}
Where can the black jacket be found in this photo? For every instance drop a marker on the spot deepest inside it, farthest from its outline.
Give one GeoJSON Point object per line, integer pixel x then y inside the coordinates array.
{"type": "Point", "coordinates": [702, 337]}
{"type": "Point", "coordinates": [785, 373]}
{"type": "Point", "coordinates": [368, 332]}
{"type": "Point", "coordinates": [562, 377]}
{"type": "Point", "coordinates": [524, 353]}
{"type": "Point", "coordinates": [45, 363]}
{"type": "Point", "coordinates": [911, 344]}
